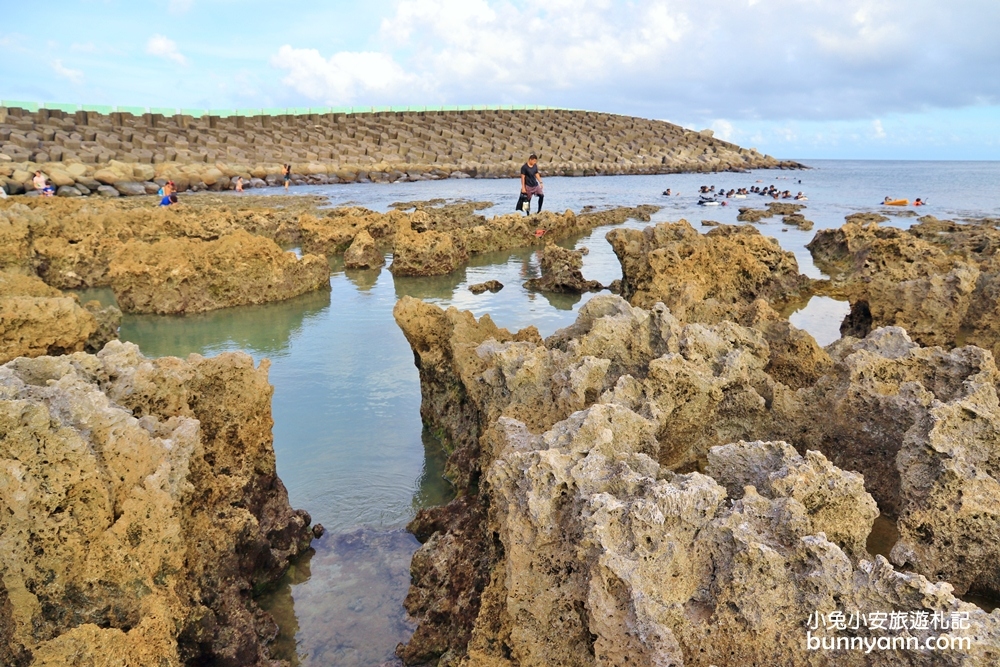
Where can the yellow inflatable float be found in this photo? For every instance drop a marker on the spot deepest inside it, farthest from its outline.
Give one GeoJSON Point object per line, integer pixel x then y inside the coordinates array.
{"type": "Point", "coordinates": [896, 202]}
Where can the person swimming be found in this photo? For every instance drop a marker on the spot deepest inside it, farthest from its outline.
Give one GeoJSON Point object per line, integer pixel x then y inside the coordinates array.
{"type": "Point", "coordinates": [919, 202]}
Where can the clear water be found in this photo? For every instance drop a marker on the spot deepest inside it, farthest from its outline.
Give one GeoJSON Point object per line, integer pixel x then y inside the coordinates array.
{"type": "Point", "coordinates": [348, 438]}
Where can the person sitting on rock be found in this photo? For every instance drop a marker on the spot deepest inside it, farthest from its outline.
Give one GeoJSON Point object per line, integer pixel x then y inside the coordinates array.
{"type": "Point", "coordinates": [42, 185]}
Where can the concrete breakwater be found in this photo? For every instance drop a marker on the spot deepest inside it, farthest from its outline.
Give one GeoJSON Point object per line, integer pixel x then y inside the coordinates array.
{"type": "Point", "coordinates": [117, 154]}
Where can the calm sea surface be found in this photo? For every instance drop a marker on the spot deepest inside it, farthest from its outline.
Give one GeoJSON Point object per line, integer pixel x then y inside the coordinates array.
{"type": "Point", "coordinates": [347, 432]}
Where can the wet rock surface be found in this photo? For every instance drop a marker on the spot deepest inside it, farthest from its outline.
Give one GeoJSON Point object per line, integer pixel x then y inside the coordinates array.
{"type": "Point", "coordinates": [605, 487]}
{"type": "Point", "coordinates": [193, 275]}
{"type": "Point", "coordinates": [142, 510]}
{"type": "Point", "coordinates": [562, 272]}
{"type": "Point", "coordinates": [493, 286]}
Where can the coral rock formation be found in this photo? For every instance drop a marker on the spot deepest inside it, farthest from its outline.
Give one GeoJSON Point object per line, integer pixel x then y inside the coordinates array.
{"type": "Point", "coordinates": [938, 281]}
{"type": "Point", "coordinates": [704, 277]}
{"type": "Point", "coordinates": [36, 319]}
{"type": "Point", "coordinates": [191, 275]}
{"type": "Point", "coordinates": [579, 464]}
{"type": "Point", "coordinates": [363, 253]}
{"type": "Point", "coordinates": [561, 272]}
{"type": "Point", "coordinates": [142, 510]}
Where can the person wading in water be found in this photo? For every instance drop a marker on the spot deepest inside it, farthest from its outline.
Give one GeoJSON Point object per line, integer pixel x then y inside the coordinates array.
{"type": "Point", "coordinates": [531, 184]}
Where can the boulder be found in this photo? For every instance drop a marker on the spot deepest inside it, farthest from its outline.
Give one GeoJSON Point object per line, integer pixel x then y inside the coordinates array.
{"type": "Point", "coordinates": [68, 191]}
{"type": "Point", "coordinates": [108, 191]}
{"type": "Point", "coordinates": [107, 176]}
{"type": "Point", "coordinates": [426, 254]}
{"type": "Point", "coordinates": [36, 319]}
{"type": "Point", "coordinates": [130, 189]}
{"type": "Point", "coordinates": [59, 178]}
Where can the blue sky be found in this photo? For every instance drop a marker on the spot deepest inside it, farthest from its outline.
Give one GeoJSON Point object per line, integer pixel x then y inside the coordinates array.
{"type": "Point", "coordinates": [912, 79]}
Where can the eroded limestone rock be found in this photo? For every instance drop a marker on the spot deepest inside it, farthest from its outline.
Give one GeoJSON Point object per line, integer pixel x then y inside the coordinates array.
{"type": "Point", "coordinates": [916, 422]}
{"type": "Point", "coordinates": [191, 275]}
{"type": "Point", "coordinates": [704, 277]}
{"type": "Point", "coordinates": [363, 253]}
{"type": "Point", "coordinates": [561, 272]}
{"type": "Point", "coordinates": [142, 510]}
{"type": "Point", "coordinates": [607, 560]}
{"type": "Point", "coordinates": [36, 319]}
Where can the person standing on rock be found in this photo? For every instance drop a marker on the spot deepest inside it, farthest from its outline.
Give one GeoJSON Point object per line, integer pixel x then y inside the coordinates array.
{"type": "Point", "coordinates": [286, 175]}
{"type": "Point", "coordinates": [239, 184]}
{"type": "Point", "coordinates": [531, 184]}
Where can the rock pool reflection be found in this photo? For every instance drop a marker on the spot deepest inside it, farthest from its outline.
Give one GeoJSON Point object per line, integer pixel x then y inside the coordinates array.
{"type": "Point", "coordinates": [349, 442]}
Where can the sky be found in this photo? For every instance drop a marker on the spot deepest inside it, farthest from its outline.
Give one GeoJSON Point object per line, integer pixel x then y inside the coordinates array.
{"type": "Point", "coordinates": [799, 79]}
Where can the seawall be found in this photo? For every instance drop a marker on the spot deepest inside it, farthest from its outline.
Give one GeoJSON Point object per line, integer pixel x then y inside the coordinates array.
{"type": "Point", "coordinates": [122, 151]}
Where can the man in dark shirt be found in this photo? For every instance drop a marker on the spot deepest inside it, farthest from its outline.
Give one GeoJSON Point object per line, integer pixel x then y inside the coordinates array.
{"type": "Point", "coordinates": [531, 184]}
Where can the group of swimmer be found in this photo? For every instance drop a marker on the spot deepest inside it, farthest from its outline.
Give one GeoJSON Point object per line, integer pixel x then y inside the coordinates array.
{"type": "Point", "coordinates": [709, 193]}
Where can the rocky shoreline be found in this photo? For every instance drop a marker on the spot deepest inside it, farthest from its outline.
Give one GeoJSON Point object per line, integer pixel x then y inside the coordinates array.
{"type": "Point", "coordinates": [87, 153]}
{"type": "Point", "coordinates": [683, 477]}
{"type": "Point", "coordinates": [679, 477]}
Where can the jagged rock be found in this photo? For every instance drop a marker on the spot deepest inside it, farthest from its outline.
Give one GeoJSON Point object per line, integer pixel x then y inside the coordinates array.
{"type": "Point", "coordinates": [428, 253]}
{"type": "Point", "coordinates": [109, 319]}
{"type": "Point", "coordinates": [561, 272]}
{"type": "Point", "coordinates": [704, 277]}
{"type": "Point", "coordinates": [191, 275]}
{"type": "Point", "coordinates": [36, 319]}
{"type": "Point", "coordinates": [363, 253]}
{"type": "Point", "coordinates": [798, 220]}
{"type": "Point", "coordinates": [754, 215]}
{"type": "Point", "coordinates": [882, 406]}
{"type": "Point", "coordinates": [142, 509]}
{"type": "Point", "coordinates": [897, 278]}
{"type": "Point", "coordinates": [607, 561]}
{"type": "Point", "coordinates": [493, 286]}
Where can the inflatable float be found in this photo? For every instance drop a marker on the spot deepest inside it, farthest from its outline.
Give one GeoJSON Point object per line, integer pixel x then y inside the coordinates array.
{"type": "Point", "coordinates": [896, 202]}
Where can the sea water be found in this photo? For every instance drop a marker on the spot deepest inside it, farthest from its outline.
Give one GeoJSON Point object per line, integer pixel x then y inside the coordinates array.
{"type": "Point", "coordinates": [347, 432]}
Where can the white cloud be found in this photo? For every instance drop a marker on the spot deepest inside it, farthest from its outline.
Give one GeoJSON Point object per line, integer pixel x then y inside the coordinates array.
{"type": "Point", "coordinates": [878, 130]}
{"type": "Point", "coordinates": [87, 47]}
{"type": "Point", "coordinates": [162, 47]}
{"type": "Point", "coordinates": [723, 129]}
{"type": "Point", "coordinates": [344, 77]}
{"type": "Point", "coordinates": [74, 75]}
{"type": "Point", "coordinates": [738, 60]}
